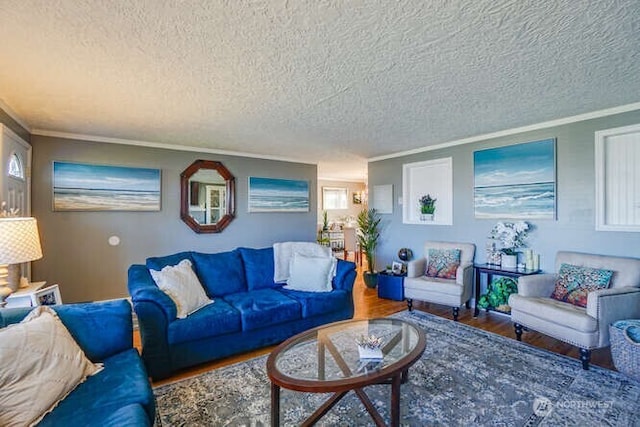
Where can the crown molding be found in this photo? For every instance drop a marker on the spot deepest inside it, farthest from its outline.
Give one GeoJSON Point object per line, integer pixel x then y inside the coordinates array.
{"type": "Point", "coordinates": [14, 115]}
{"type": "Point", "coordinates": [356, 180]}
{"type": "Point", "coordinates": [174, 147]}
{"type": "Point", "coordinates": [544, 125]}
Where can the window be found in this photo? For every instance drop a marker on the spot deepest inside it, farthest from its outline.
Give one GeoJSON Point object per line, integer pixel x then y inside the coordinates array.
{"type": "Point", "coordinates": [334, 198]}
{"type": "Point", "coordinates": [618, 179]}
{"type": "Point", "coordinates": [15, 167]}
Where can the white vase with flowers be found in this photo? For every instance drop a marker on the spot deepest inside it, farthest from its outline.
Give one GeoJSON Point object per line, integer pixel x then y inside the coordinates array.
{"type": "Point", "coordinates": [511, 236]}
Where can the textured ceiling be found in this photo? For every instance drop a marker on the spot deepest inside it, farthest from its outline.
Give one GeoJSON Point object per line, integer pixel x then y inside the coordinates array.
{"type": "Point", "coordinates": [333, 82]}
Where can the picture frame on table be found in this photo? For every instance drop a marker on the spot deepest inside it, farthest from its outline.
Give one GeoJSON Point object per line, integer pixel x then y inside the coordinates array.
{"type": "Point", "coordinates": [396, 267]}
{"type": "Point", "coordinates": [46, 296]}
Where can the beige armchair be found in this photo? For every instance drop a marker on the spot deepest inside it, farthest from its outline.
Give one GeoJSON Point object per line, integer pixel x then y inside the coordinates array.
{"type": "Point", "coordinates": [451, 292]}
{"type": "Point", "coordinates": [586, 328]}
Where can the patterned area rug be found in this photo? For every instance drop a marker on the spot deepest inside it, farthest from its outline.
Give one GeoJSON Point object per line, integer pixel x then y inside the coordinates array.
{"type": "Point", "coordinates": [465, 377]}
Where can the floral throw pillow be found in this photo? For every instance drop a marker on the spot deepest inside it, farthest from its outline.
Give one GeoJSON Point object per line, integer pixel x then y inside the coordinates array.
{"type": "Point", "coordinates": [575, 282]}
{"type": "Point", "coordinates": [443, 263]}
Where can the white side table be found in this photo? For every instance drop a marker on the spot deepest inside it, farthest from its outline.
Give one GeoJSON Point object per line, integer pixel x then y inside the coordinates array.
{"type": "Point", "coordinates": [33, 295]}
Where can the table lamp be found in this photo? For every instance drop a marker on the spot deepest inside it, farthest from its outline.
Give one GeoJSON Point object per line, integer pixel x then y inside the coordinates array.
{"type": "Point", "coordinates": [19, 242]}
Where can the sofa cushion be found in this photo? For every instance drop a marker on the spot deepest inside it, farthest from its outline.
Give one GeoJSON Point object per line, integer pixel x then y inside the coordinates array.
{"type": "Point", "coordinates": [258, 267]}
{"type": "Point", "coordinates": [158, 263]}
{"type": "Point", "coordinates": [575, 282]}
{"type": "Point", "coordinates": [264, 307]}
{"type": "Point", "coordinates": [221, 273]}
{"type": "Point", "coordinates": [183, 287]}
{"type": "Point", "coordinates": [434, 284]}
{"type": "Point", "coordinates": [122, 382]}
{"type": "Point", "coordinates": [41, 364]}
{"type": "Point", "coordinates": [83, 320]}
{"type": "Point", "coordinates": [566, 314]}
{"type": "Point", "coordinates": [314, 303]}
{"type": "Point", "coordinates": [215, 319]}
{"type": "Point", "coordinates": [311, 274]}
{"type": "Point", "coordinates": [443, 263]}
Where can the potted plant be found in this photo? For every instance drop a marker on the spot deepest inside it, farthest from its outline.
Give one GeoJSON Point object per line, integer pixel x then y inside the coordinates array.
{"type": "Point", "coordinates": [368, 236]}
{"type": "Point", "coordinates": [325, 221]}
{"type": "Point", "coordinates": [427, 207]}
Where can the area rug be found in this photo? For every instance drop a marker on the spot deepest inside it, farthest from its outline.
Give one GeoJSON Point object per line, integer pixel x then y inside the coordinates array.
{"type": "Point", "coordinates": [466, 376]}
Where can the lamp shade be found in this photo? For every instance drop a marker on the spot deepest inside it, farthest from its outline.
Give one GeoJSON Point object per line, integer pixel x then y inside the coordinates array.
{"type": "Point", "coordinates": [19, 240]}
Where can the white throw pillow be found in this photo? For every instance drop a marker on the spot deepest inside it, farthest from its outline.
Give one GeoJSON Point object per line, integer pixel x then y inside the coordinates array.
{"type": "Point", "coordinates": [40, 364]}
{"type": "Point", "coordinates": [183, 287]}
{"type": "Point", "coordinates": [311, 274]}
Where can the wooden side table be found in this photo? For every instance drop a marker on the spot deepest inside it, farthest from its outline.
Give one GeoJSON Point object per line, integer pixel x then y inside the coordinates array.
{"type": "Point", "coordinates": [495, 270]}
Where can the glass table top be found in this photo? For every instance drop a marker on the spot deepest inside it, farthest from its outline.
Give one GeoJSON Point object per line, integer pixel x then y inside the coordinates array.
{"type": "Point", "coordinates": [331, 353]}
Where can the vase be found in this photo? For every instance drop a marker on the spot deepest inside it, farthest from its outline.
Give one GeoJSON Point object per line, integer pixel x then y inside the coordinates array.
{"type": "Point", "coordinates": [426, 217]}
{"type": "Point", "coordinates": [491, 253]}
{"type": "Point", "coordinates": [509, 261]}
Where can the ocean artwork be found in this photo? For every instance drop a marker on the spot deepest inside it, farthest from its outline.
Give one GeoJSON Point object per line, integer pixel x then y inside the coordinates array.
{"type": "Point", "coordinates": [278, 195]}
{"type": "Point", "coordinates": [85, 187]}
{"type": "Point", "coordinates": [517, 181]}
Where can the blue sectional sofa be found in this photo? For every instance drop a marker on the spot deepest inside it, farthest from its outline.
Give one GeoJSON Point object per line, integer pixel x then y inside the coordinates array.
{"type": "Point", "coordinates": [250, 310]}
{"type": "Point", "coordinates": [120, 394]}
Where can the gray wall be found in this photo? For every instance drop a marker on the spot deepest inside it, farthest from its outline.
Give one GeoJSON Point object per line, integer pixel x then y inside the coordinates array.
{"type": "Point", "coordinates": [574, 228]}
{"type": "Point", "coordinates": [77, 255]}
{"type": "Point", "coordinates": [14, 126]}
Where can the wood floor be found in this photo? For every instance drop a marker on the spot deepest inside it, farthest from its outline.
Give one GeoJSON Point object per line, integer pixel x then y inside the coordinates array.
{"type": "Point", "coordinates": [368, 305]}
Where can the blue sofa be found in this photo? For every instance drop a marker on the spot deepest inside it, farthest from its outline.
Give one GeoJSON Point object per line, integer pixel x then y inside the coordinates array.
{"type": "Point", "coordinates": [250, 310]}
{"type": "Point", "coordinates": [120, 394]}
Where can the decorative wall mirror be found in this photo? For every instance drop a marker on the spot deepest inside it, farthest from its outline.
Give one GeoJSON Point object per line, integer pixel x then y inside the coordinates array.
{"type": "Point", "coordinates": [207, 196]}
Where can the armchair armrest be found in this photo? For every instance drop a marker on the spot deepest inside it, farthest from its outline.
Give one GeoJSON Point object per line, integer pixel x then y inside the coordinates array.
{"type": "Point", "coordinates": [610, 305]}
{"type": "Point", "coordinates": [416, 267]}
{"type": "Point", "coordinates": [624, 302]}
{"type": "Point", "coordinates": [464, 274]}
{"type": "Point", "coordinates": [537, 285]}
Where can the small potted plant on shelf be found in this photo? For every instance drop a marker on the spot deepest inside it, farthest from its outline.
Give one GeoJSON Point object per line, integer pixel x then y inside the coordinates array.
{"type": "Point", "coordinates": [368, 237]}
{"type": "Point", "coordinates": [427, 208]}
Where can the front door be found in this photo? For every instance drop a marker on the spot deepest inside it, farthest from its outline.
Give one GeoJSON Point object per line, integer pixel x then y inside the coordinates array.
{"type": "Point", "coordinates": [15, 177]}
{"type": "Point", "coordinates": [15, 182]}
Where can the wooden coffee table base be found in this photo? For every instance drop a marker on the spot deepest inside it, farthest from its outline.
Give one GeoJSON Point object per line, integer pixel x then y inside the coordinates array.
{"type": "Point", "coordinates": [395, 381]}
{"type": "Point", "coordinates": [403, 345]}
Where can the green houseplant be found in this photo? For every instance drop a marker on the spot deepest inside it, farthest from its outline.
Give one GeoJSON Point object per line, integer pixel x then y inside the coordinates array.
{"type": "Point", "coordinates": [368, 237]}
{"type": "Point", "coordinates": [427, 207]}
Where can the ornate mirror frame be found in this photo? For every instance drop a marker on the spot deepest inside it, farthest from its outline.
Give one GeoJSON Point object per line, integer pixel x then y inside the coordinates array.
{"type": "Point", "coordinates": [185, 192]}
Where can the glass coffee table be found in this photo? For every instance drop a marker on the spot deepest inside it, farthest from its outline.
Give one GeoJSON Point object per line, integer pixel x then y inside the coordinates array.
{"type": "Point", "coordinates": [326, 359]}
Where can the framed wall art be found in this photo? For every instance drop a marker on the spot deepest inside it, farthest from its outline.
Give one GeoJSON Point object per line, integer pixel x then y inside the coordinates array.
{"type": "Point", "coordinates": [432, 179]}
{"type": "Point", "coordinates": [87, 187]}
{"type": "Point", "coordinates": [383, 198]}
{"type": "Point", "coordinates": [516, 181]}
{"type": "Point", "coordinates": [278, 195]}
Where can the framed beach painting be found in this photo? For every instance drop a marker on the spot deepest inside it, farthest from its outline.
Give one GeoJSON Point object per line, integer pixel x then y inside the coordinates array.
{"type": "Point", "coordinates": [87, 187]}
{"type": "Point", "coordinates": [516, 181]}
{"type": "Point", "coordinates": [278, 195]}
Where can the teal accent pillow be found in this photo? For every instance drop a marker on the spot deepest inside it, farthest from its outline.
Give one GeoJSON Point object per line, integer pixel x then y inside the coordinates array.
{"type": "Point", "coordinates": [575, 282]}
{"type": "Point", "coordinates": [443, 263]}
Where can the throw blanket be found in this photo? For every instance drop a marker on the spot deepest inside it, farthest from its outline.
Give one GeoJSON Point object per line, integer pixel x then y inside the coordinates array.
{"type": "Point", "coordinates": [283, 252]}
